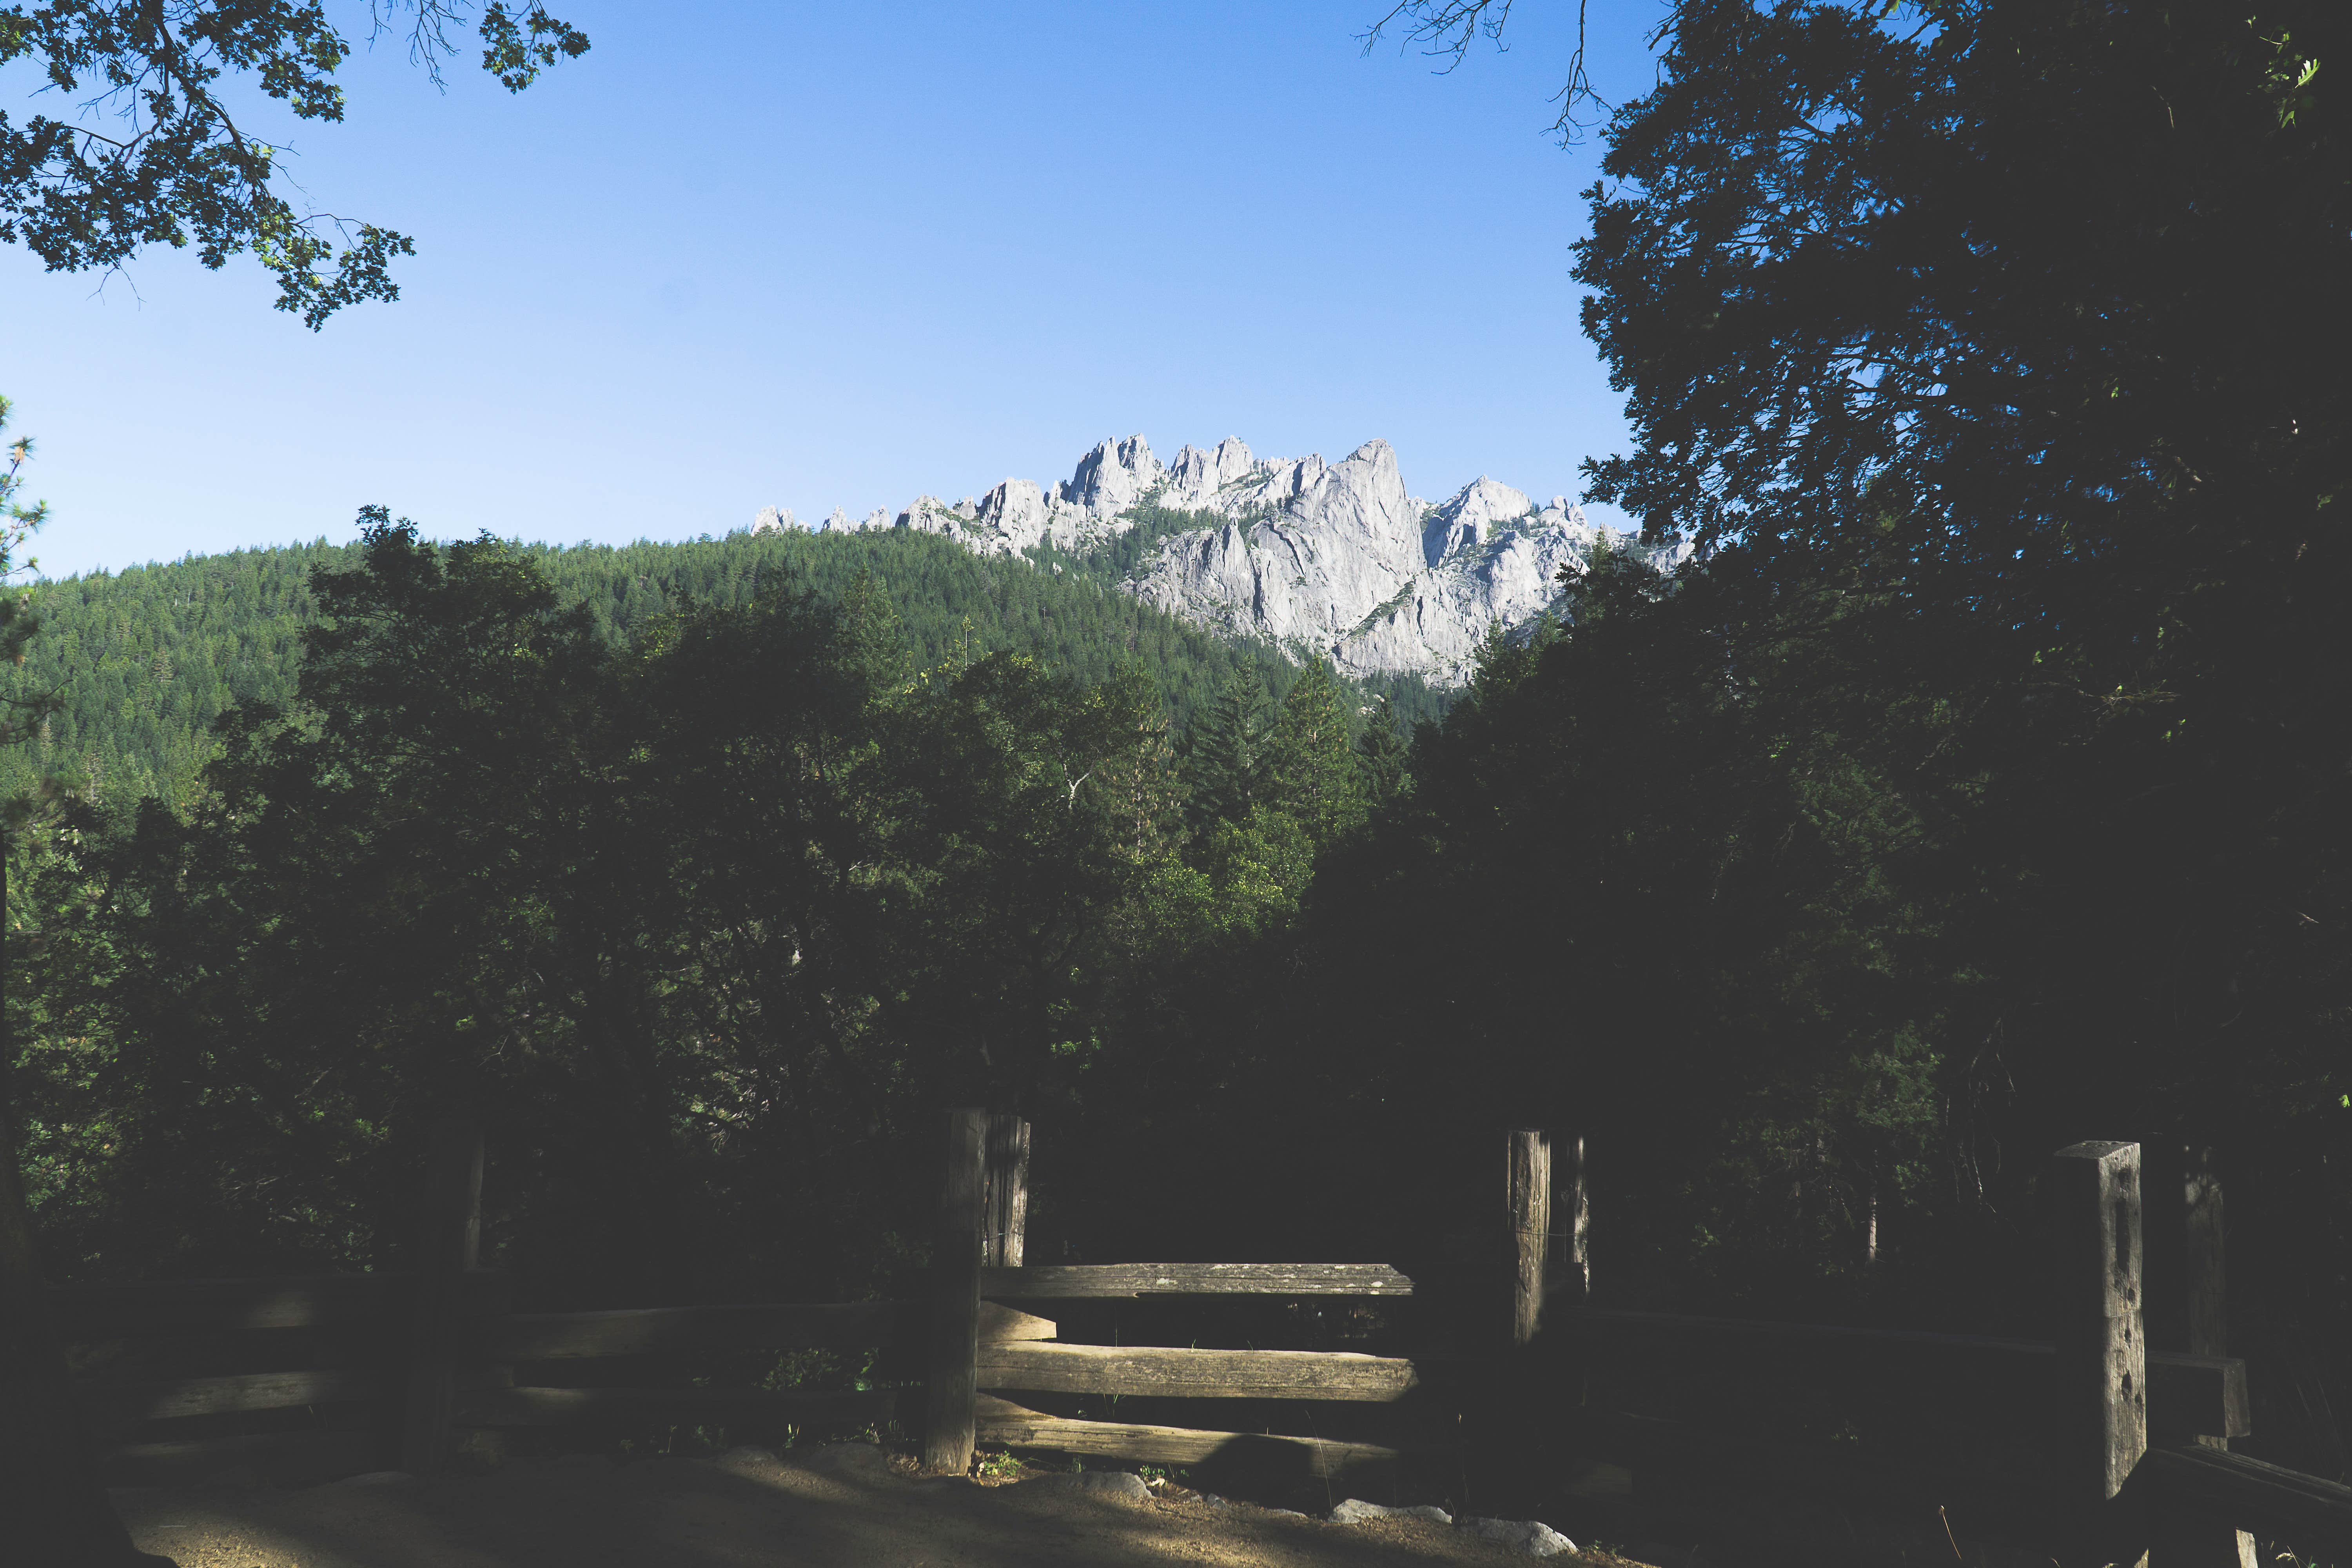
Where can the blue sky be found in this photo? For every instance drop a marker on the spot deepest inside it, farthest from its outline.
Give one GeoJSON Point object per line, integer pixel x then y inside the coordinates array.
{"type": "Point", "coordinates": [818, 256]}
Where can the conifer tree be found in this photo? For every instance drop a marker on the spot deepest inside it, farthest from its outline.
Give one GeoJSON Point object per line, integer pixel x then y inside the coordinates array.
{"type": "Point", "coordinates": [1311, 766]}
{"type": "Point", "coordinates": [1380, 755]}
{"type": "Point", "coordinates": [1226, 756]}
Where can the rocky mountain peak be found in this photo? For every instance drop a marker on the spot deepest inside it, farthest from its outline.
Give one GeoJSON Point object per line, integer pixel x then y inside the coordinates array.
{"type": "Point", "coordinates": [1330, 560]}
{"type": "Point", "coordinates": [1472, 515]}
{"type": "Point", "coordinates": [1112, 477]}
{"type": "Point", "coordinates": [1195, 477]}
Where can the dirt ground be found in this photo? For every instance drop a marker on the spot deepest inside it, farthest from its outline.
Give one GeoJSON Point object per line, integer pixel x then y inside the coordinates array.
{"type": "Point", "coordinates": [747, 1507]}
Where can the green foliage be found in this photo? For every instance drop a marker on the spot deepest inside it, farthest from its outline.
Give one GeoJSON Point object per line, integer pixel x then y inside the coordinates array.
{"type": "Point", "coordinates": [176, 170]}
{"type": "Point", "coordinates": [1225, 752]}
{"type": "Point", "coordinates": [1380, 757]}
{"type": "Point", "coordinates": [18, 627]}
{"type": "Point", "coordinates": [1983, 783]}
{"type": "Point", "coordinates": [706, 916]}
{"type": "Point", "coordinates": [143, 662]}
{"type": "Point", "coordinates": [1310, 766]}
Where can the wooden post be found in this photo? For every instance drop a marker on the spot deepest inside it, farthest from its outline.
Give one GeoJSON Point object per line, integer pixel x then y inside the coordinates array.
{"type": "Point", "coordinates": [448, 1243]}
{"type": "Point", "coordinates": [951, 1390]}
{"type": "Point", "coordinates": [1577, 1272]}
{"type": "Point", "coordinates": [1007, 1219]}
{"type": "Point", "coordinates": [1528, 1178]}
{"type": "Point", "coordinates": [2195, 1544]}
{"type": "Point", "coordinates": [2208, 1328]}
{"type": "Point", "coordinates": [2101, 1370]}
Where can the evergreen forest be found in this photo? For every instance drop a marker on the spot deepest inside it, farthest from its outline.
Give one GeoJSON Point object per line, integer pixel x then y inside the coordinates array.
{"type": "Point", "coordinates": [141, 663]}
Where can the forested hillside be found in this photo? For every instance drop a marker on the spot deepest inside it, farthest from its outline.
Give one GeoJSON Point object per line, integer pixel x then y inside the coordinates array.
{"type": "Point", "coordinates": [147, 658]}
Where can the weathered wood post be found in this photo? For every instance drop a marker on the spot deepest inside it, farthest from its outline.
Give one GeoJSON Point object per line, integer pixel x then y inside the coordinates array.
{"type": "Point", "coordinates": [1576, 1266]}
{"type": "Point", "coordinates": [1007, 1181]}
{"type": "Point", "coordinates": [1527, 1182]}
{"type": "Point", "coordinates": [2196, 1544]}
{"type": "Point", "coordinates": [448, 1243]}
{"type": "Point", "coordinates": [2101, 1351]}
{"type": "Point", "coordinates": [951, 1385]}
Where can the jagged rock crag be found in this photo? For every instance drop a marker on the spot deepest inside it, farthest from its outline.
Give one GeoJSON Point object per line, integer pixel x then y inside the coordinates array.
{"type": "Point", "coordinates": [1330, 558]}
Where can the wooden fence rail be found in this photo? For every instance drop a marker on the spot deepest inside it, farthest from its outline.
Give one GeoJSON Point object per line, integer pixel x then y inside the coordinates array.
{"type": "Point", "coordinates": [2233, 1490]}
{"type": "Point", "coordinates": [1173, 1374]}
{"type": "Point", "coordinates": [2142, 1433]}
{"type": "Point", "coordinates": [2189, 1396]}
{"type": "Point", "coordinates": [1124, 1281]}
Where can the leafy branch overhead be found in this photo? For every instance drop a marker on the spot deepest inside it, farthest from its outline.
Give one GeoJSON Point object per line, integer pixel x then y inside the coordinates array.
{"type": "Point", "coordinates": [144, 148]}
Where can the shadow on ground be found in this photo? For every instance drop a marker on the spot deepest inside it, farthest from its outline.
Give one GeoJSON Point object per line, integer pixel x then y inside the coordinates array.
{"type": "Point", "coordinates": [749, 1508]}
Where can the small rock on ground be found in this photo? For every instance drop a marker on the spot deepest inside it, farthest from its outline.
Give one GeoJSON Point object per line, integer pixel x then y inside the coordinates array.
{"type": "Point", "coordinates": [1355, 1510]}
{"type": "Point", "coordinates": [1531, 1536]}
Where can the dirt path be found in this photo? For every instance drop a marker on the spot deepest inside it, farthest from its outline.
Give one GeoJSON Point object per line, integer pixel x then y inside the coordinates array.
{"type": "Point", "coordinates": [747, 1509]}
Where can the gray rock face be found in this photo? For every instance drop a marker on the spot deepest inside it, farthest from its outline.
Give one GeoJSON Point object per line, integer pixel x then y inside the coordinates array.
{"type": "Point", "coordinates": [1112, 477]}
{"type": "Point", "coordinates": [774, 520]}
{"type": "Point", "coordinates": [1195, 477]}
{"type": "Point", "coordinates": [1334, 560]}
{"type": "Point", "coordinates": [1338, 561]}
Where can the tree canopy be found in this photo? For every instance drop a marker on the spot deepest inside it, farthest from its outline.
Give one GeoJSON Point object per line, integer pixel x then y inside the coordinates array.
{"type": "Point", "coordinates": [174, 165]}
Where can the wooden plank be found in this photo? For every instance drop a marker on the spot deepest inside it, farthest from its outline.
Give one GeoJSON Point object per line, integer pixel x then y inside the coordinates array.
{"type": "Point", "coordinates": [1004, 1227]}
{"type": "Point", "coordinates": [2249, 1494]}
{"type": "Point", "coordinates": [693, 1331]}
{"type": "Point", "coordinates": [2100, 1373]}
{"type": "Point", "coordinates": [1121, 1281]}
{"type": "Point", "coordinates": [1527, 1182]}
{"type": "Point", "coordinates": [565, 1406]}
{"type": "Point", "coordinates": [1000, 1421]}
{"type": "Point", "coordinates": [951, 1380]}
{"type": "Point", "coordinates": [116, 1407]}
{"type": "Point", "coordinates": [1195, 1373]}
{"type": "Point", "coordinates": [449, 1244]}
{"type": "Point", "coordinates": [2188, 1396]}
{"type": "Point", "coordinates": [87, 1313]}
{"type": "Point", "coordinates": [90, 1312]}
{"type": "Point", "coordinates": [999, 1322]}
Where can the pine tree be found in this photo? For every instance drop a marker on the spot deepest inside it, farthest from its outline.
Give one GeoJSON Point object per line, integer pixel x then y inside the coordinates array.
{"type": "Point", "coordinates": [1312, 768]}
{"type": "Point", "coordinates": [1380, 755]}
{"type": "Point", "coordinates": [1226, 753]}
